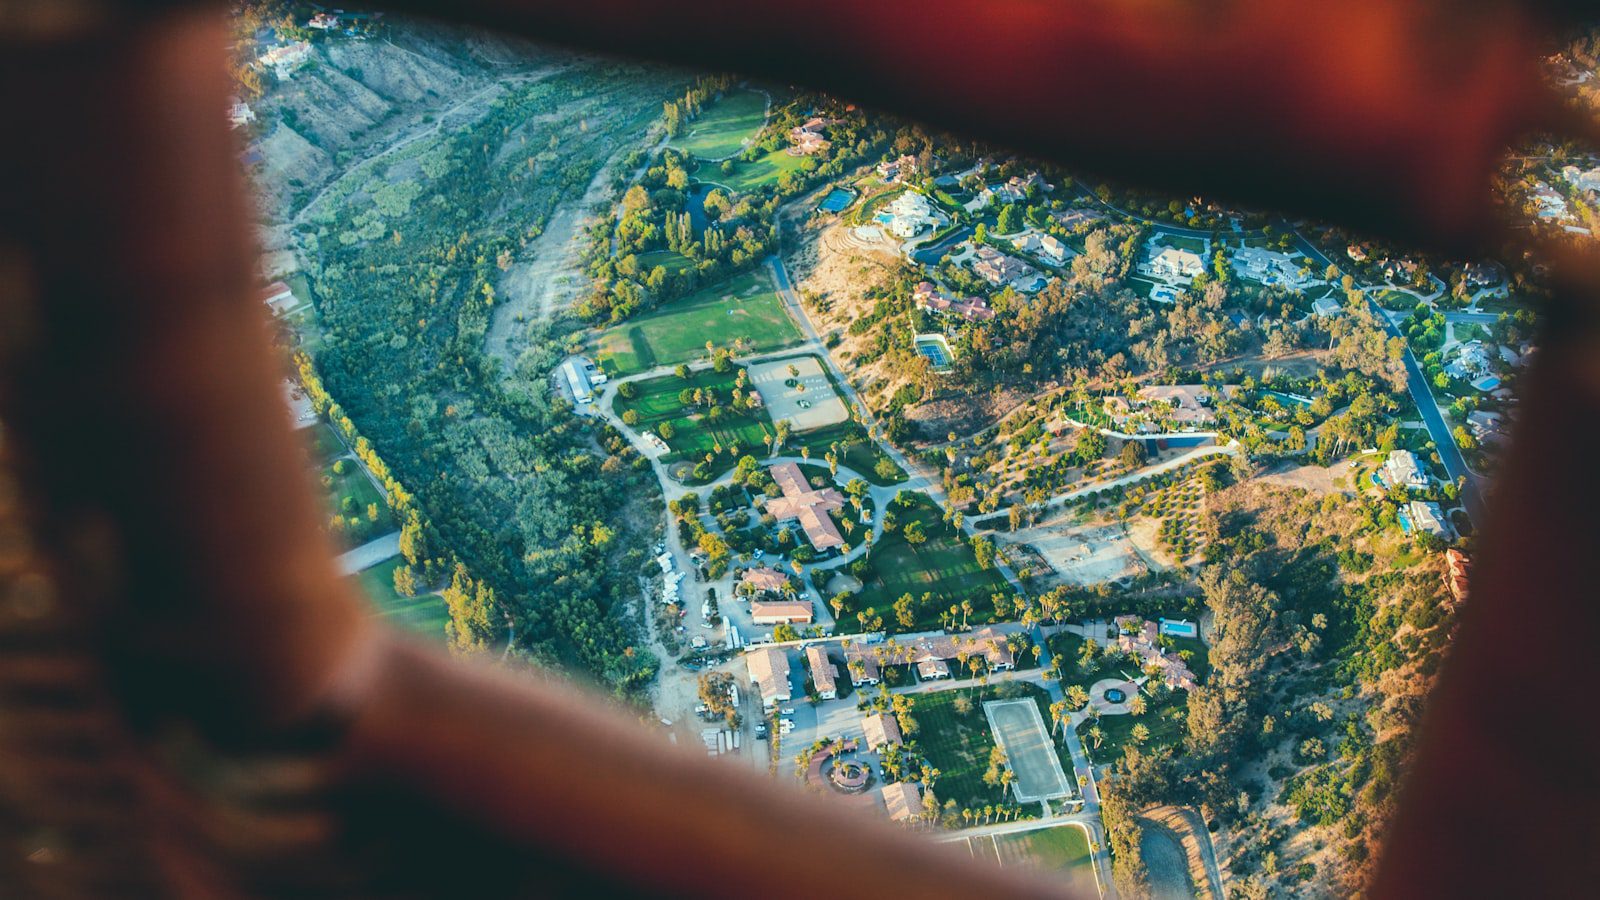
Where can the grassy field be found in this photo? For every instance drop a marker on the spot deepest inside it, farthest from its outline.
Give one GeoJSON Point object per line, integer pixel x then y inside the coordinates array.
{"type": "Point", "coordinates": [1184, 242]}
{"type": "Point", "coordinates": [725, 125]}
{"type": "Point", "coordinates": [424, 614]}
{"type": "Point", "coordinates": [693, 434]}
{"type": "Point", "coordinates": [940, 565]}
{"type": "Point", "coordinates": [744, 306]}
{"type": "Point", "coordinates": [671, 260]}
{"type": "Point", "coordinates": [958, 743]}
{"type": "Point", "coordinates": [764, 170]}
{"type": "Point", "coordinates": [1054, 850]}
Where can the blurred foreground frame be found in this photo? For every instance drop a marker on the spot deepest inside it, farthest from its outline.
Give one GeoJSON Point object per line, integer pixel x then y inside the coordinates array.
{"type": "Point", "coordinates": [192, 702]}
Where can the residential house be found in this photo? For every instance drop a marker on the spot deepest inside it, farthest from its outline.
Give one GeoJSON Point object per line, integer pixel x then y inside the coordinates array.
{"type": "Point", "coordinates": [1047, 246]}
{"type": "Point", "coordinates": [1186, 405]}
{"type": "Point", "coordinates": [908, 214]}
{"type": "Point", "coordinates": [927, 296]}
{"type": "Point", "coordinates": [240, 114]}
{"type": "Point", "coordinates": [1326, 307]}
{"type": "Point", "coordinates": [1357, 252]}
{"type": "Point", "coordinates": [1269, 267]}
{"type": "Point", "coordinates": [278, 297]}
{"type": "Point", "coordinates": [1549, 204]}
{"type": "Point", "coordinates": [765, 580]}
{"type": "Point", "coordinates": [1425, 517]}
{"type": "Point", "coordinates": [862, 663]}
{"type": "Point", "coordinates": [903, 800]}
{"type": "Point", "coordinates": [997, 268]}
{"type": "Point", "coordinates": [899, 170]}
{"type": "Point", "coordinates": [881, 730]}
{"type": "Point", "coordinates": [1483, 422]}
{"type": "Point", "coordinates": [323, 22]}
{"type": "Point", "coordinates": [1582, 179]}
{"type": "Point", "coordinates": [1457, 572]}
{"type": "Point", "coordinates": [781, 612]}
{"type": "Point", "coordinates": [1140, 639]}
{"type": "Point", "coordinates": [822, 674]}
{"type": "Point", "coordinates": [769, 670]}
{"type": "Point", "coordinates": [810, 507]}
{"type": "Point", "coordinates": [1175, 264]}
{"type": "Point", "coordinates": [1402, 468]}
{"type": "Point", "coordinates": [284, 60]}
{"type": "Point", "coordinates": [808, 138]}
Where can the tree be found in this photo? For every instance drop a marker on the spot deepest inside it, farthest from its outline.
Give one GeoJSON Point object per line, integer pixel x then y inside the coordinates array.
{"type": "Point", "coordinates": [886, 469]}
{"type": "Point", "coordinates": [914, 534]}
{"type": "Point", "coordinates": [627, 390]}
{"type": "Point", "coordinates": [1137, 705]}
{"type": "Point", "coordinates": [1097, 736]}
{"type": "Point", "coordinates": [1007, 222]}
{"type": "Point", "coordinates": [666, 431]}
{"type": "Point", "coordinates": [681, 370]}
{"type": "Point", "coordinates": [1132, 454]}
{"type": "Point", "coordinates": [1076, 697]}
{"type": "Point", "coordinates": [983, 550]}
{"type": "Point", "coordinates": [630, 417]}
{"type": "Point", "coordinates": [1140, 733]}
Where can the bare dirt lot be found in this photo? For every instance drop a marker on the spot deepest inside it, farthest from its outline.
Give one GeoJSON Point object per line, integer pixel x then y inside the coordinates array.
{"type": "Point", "coordinates": [1081, 554]}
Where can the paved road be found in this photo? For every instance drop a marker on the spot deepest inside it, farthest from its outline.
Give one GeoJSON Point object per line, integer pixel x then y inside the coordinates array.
{"type": "Point", "coordinates": [1455, 464]}
{"type": "Point", "coordinates": [370, 554]}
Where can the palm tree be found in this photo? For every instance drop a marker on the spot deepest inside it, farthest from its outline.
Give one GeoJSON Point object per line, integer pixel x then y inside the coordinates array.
{"type": "Point", "coordinates": [1137, 705]}
{"type": "Point", "coordinates": [1096, 735]}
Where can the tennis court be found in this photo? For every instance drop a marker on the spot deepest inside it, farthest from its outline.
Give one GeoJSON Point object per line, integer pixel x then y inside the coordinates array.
{"type": "Point", "coordinates": [1019, 729]}
{"type": "Point", "coordinates": [836, 201]}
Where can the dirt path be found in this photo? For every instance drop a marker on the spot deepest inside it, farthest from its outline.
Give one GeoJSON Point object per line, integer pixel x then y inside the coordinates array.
{"type": "Point", "coordinates": [545, 282]}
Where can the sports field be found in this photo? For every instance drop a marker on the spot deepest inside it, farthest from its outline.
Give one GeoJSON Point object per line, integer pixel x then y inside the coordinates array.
{"type": "Point", "coordinates": [743, 307]}
{"type": "Point", "coordinates": [725, 125]}
{"type": "Point", "coordinates": [955, 736]}
{"type": "Point", "coordinates": [1019, 728]}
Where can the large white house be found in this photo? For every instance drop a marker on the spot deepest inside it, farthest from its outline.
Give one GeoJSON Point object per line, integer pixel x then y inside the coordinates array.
{"type": "Point", "coordinates": [1175, 264]}
{"type": "Point", "coordinates": [909, 214]}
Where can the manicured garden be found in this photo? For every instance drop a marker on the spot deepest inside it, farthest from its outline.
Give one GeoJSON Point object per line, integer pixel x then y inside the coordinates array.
{"type": "Point", "coordinates": [940, 565]}
{"type": "Point", "coordinates": [1165, 722]}
{"type": "Point", "coordinates": [724, 125]}
{"type": "Point", "coordinates": [744, 307]}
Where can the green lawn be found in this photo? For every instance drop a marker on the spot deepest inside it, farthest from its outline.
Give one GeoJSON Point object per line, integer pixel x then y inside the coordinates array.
{"type": "Point", "coordinates": [1064, 849]}
{"type": "Point", "coordinates": [725, 125]}
{"type": "Point", "coordinates": [352, 495]}
{"type": "Point", "coordinates": [1183, 242]}
{"type": "Point", "coordinates": [671, 260]}
{"type": "Point", "coordinates": [746, 176]}
{"type": "Point", "coordinates": [744, 306]}
{"type": "Point", "coordinates": [424, 614]}
{"type": "Point", "coordinates": [1066, 646]}
{"type": "Point", "coordinates": [941, 565]}
{"type": "Point", "coordinates": [860, 454]}
{"type": "Point", "coordinates": [958, 743]}
{"type": "Point", "coordinates": [693, 434]}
